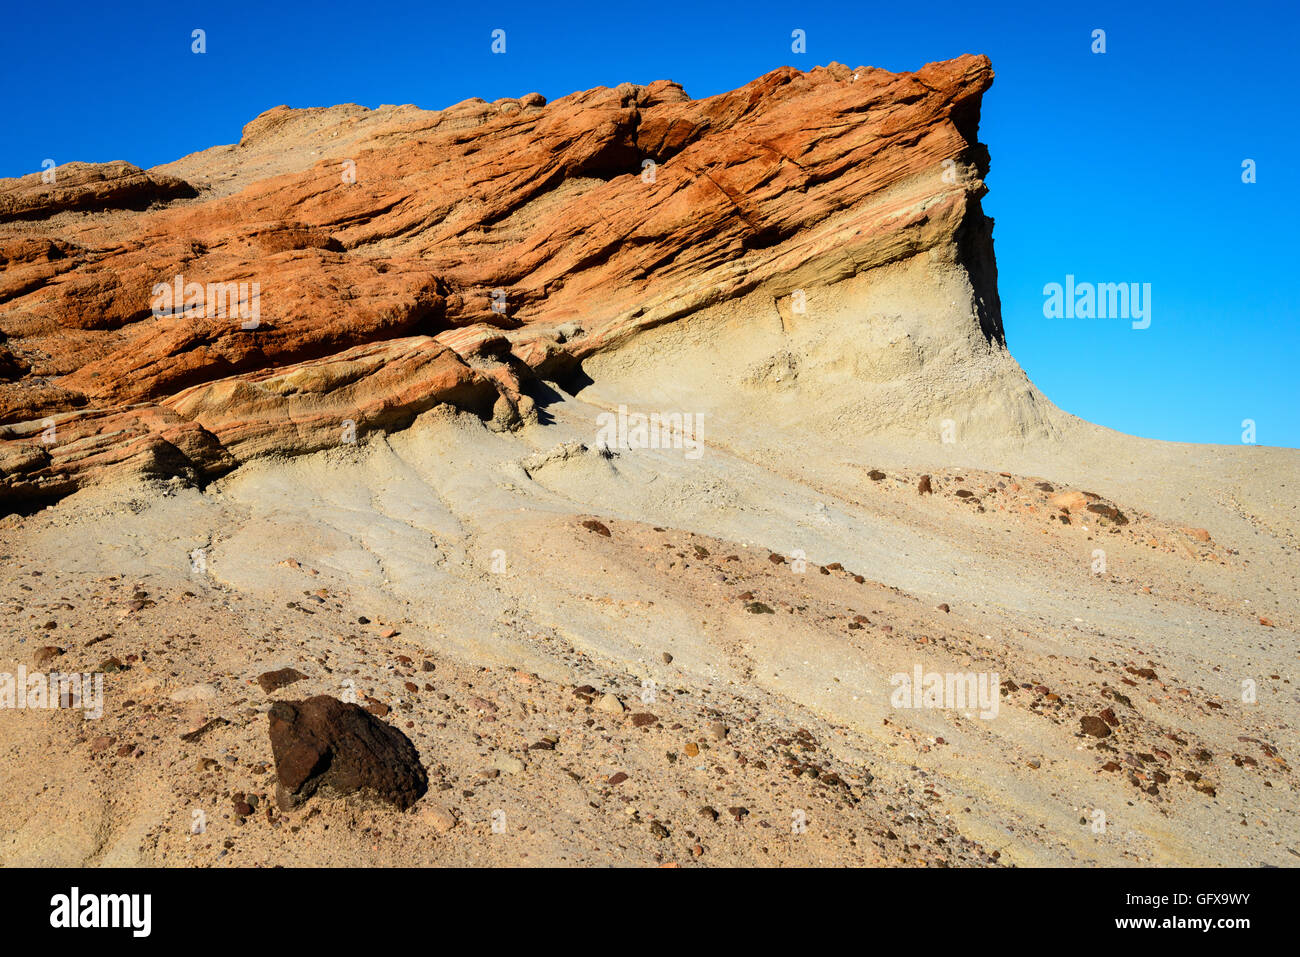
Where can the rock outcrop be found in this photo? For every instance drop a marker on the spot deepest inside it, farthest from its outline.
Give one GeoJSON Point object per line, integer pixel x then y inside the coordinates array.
{"type": "Point", "coordinates": [342, 270]}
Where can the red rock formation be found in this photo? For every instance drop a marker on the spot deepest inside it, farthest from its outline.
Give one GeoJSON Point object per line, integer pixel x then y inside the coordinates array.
{"type": "Point", "coordinates": [478, 246]}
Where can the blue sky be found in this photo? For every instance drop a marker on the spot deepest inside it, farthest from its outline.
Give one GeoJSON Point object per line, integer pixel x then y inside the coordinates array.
{"type": "Point", "coordinates": [1115, 167]}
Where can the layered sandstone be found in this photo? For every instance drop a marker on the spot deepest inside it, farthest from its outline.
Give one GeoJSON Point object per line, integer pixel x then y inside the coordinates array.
{"type": "Point", "coordinates": [405, 258]}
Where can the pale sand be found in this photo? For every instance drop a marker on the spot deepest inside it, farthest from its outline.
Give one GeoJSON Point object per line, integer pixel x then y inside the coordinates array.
{"type": "Point", "coordinates": [403, 530]}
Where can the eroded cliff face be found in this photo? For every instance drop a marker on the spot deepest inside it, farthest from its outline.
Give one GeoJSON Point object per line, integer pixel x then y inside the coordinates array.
{"type": "Point", "coordinates": [343, 270]}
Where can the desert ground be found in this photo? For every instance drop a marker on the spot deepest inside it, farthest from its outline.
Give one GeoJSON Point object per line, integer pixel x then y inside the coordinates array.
{"type": "Point", "coordinates": [468, 550]}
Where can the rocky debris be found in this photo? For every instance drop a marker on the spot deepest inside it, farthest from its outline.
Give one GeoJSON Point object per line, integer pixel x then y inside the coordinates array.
{"type": "Point", "coordinates": [203, 729]}
{"type": "Point", "coordinates": [275, 680]}
{"type": "Point", "coordinates": [324, 742]}
{"type": "Point", "coordinates": [923, 486]}
{"type": "Point", "coordinates": [610, 704]}
{"type": "Point", "coordinates": [621, 773]}
{"type": "Point", "coordinates": [443, 819]}
{"type": "Point", "coordinates": [1095, 726]}
{"type": "Point", "coordinates": [598, 527]}
{"type": "Point", "coordinates": [1108, 512]}
{"type": "Point", "coordinates": [45, 654]}
{"type": "Point", "coordinates": [1069, 501]}
{"type": "Point", "coordinates": [508, 764]}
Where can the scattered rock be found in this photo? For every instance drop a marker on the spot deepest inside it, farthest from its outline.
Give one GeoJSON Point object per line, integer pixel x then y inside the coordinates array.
{"type": "Point", "coordinates": [45, 654]}
{"type": "Point", "coordinates": [1097, 727]}
{"type": "Point", "coordinates": [442, 819]}
{"type": "Point", "coordinates": [508, 764]}
{"type": "Point", "coordinates": [275, 680]}
{"type": "Point", "coordinates": [1069, 501]}
{"type": "Point", "coordinates": [324, 742]}
{"type": "Point", "coordinates": [1109, 512]}
{"type": "Point", "coordinates": [204, 729]}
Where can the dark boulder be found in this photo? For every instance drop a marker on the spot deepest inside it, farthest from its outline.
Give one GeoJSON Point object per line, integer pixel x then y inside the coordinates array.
{"type": "Point", "coordinates": [324, 742]}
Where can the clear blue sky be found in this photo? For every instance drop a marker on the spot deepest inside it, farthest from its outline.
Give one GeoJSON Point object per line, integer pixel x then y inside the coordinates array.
{"type": "Point", "coordinates": [1124, 166]}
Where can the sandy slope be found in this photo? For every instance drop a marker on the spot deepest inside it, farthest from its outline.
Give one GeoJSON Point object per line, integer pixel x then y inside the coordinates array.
{"type": "Point", "coordinates": [404, 530]}
{"type": "Point", "coordinates": [783, 716]}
